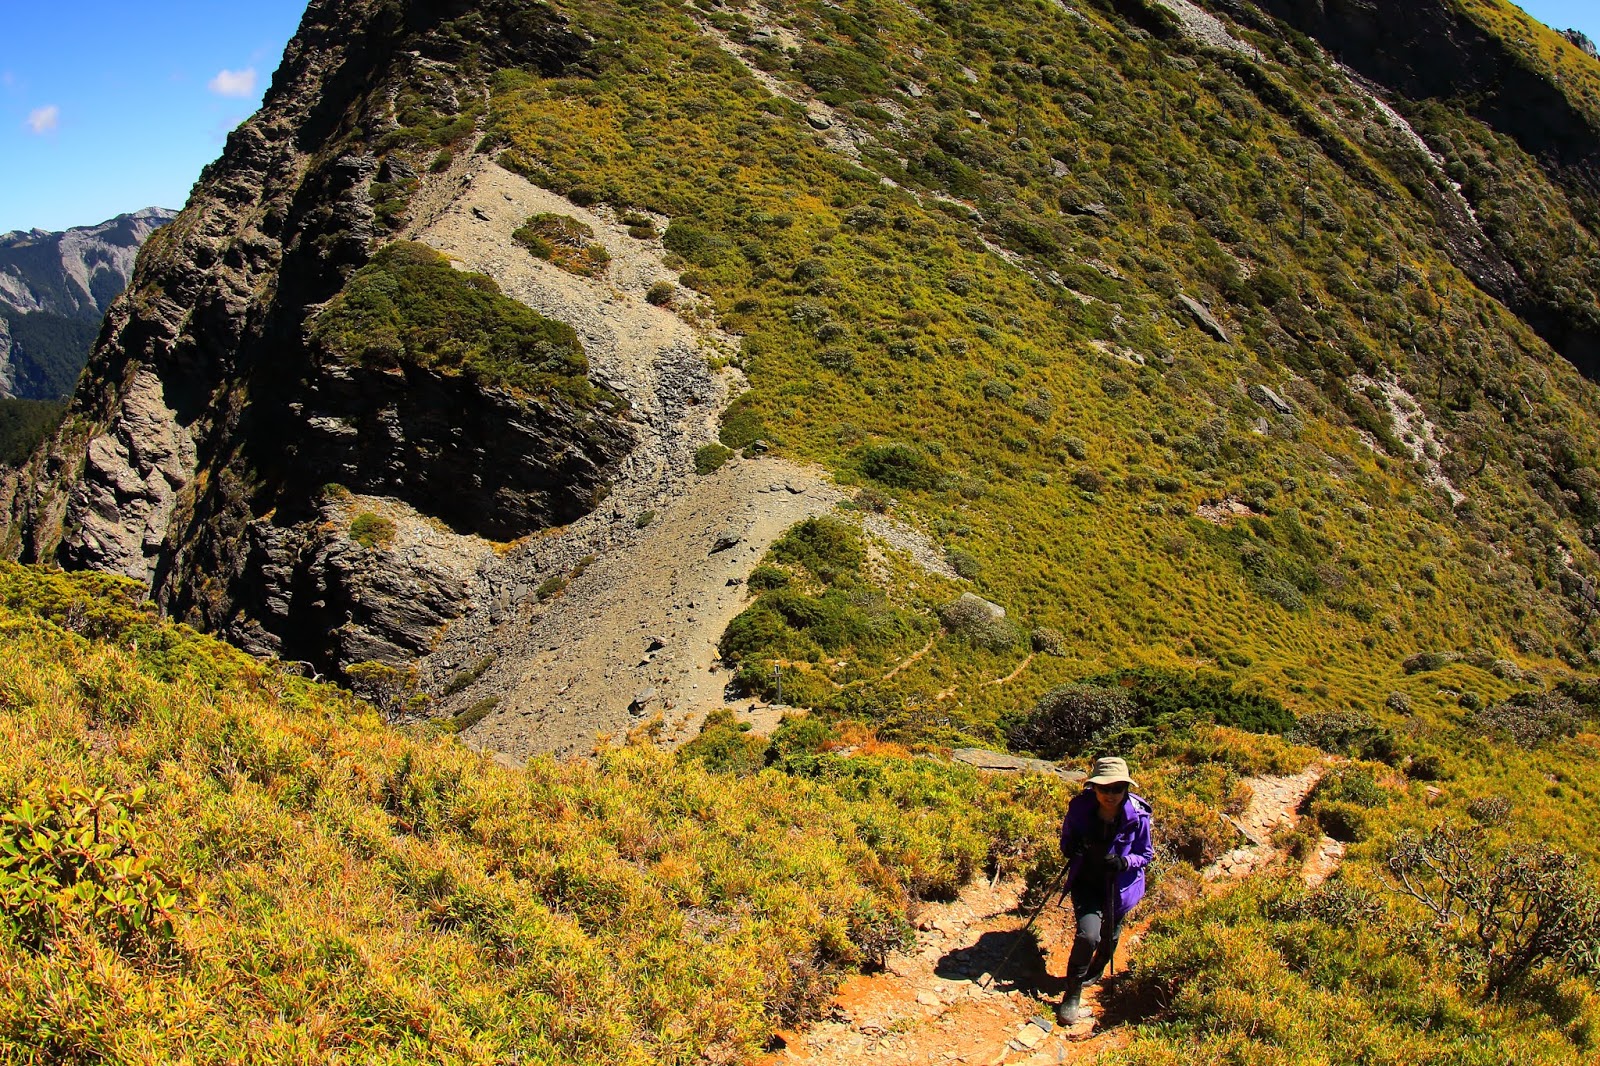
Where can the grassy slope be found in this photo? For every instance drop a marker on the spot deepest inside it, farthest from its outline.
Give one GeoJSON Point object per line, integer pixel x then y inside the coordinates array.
{"type": "Point", "coordinates": [359, 894]}
{"type": "Point", "coordinates": [872, 316]}
{"type": "Point", "coordinates": [345, 891]}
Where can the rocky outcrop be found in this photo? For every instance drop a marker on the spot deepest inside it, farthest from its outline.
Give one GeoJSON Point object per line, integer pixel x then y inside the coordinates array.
{"type": "Point", "coordinates": [118, 513]}
{"type": "Point", "coordinates": [480, 459]}
{"type": "Point", "coordinates": [54, 289]}
{"type": "Point", "coordinates": [207, 424]}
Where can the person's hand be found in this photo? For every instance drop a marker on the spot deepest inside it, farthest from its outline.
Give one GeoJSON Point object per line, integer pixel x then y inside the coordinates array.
{"type": "Point", "coordinates": [1118, 863]}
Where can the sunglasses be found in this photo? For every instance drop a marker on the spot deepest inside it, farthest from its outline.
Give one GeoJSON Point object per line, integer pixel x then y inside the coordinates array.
{"type": "Point", "coordinates": [1111, 789]}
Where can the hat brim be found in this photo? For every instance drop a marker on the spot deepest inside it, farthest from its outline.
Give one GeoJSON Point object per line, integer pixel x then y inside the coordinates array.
{"type": "Point", "coordinates": [1112, 780]}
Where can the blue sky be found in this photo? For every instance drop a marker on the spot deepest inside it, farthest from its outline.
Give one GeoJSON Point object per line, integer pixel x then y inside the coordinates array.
{"type": "Point", "coordinates": [108, 107]}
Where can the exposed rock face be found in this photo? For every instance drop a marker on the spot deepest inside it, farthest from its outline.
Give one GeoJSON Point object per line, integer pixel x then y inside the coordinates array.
{"type": "Point", "coordinates": [118, 513]}
{"type": "Point", "coordinates": [197, 448]}
{"type": "Point", "coordinates": [59, 285]}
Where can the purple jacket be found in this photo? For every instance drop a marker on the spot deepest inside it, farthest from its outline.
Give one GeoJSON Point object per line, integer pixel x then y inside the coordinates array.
{"type": "Point", "coordinates": [1130, 837]}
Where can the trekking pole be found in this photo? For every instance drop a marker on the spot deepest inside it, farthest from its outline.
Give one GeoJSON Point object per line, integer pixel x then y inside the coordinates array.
{"type": "Point", "coordinates": [1017, 943]}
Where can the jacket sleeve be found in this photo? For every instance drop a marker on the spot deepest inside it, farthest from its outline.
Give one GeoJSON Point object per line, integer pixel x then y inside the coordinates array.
{"type": "Point", "coordinates": [1068, 838]}
{"type": "Point", "coordinates": [1143, 852]}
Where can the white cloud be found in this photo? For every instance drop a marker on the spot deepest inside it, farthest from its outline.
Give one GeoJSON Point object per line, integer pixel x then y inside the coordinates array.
{"type": "Point", "coordinates": [234, 82]}
{"type": "Point", "coordinates": [44, 119]}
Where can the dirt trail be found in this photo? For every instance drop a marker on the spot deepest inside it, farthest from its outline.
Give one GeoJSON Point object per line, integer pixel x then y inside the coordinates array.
{"type": "Point", "coordinates": [636, 633]}
{"type": "Point", "coordinates": [937, 1004]}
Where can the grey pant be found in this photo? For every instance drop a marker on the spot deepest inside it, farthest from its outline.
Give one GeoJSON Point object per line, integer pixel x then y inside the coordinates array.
{"type": "Point", "coordinates": [1091, 948]}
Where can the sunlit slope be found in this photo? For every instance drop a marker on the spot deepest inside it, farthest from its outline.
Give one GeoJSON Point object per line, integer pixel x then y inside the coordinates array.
{"type": "Point", "coordinates": [994, 281]}
{"type": "Point", "coordinates": [208, 859]}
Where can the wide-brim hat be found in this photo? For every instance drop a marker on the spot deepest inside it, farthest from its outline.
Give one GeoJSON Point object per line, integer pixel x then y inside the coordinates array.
{"type": "Point", "coordinates": [1111, 771]}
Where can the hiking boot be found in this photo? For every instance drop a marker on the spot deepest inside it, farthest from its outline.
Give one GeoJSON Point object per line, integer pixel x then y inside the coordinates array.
{"type": "Point", "coordinates": [1071, 1010]}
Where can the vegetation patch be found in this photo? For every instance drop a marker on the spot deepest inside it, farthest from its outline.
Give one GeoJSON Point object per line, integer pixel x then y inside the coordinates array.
{"type": "Point", "coordinates": [636, 910]}
{"type": "Point", "coordinates": [564, 241]}
{"type": "Point", "coordinates": [709, 458]}
{"type": "Point", "coordinates": [410, 308]}
{"type": "Point", "coordinates": [372, 531]}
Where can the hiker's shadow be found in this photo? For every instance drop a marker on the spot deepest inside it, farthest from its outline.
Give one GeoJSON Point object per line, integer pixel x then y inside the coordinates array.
{"type": "Point", "coordinates": [986, 961]}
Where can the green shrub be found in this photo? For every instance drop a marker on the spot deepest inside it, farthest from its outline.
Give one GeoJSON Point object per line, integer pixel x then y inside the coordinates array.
{"type": "Point", "coordinates": [976, 621]}
{"type": "Point", "coordinates": [463, 678]}
{"type": "Point", "coordinates": [1163, 694]}
{"type": "Point", "coordinates": [551, 586]}
{"type": "Point", "coordinates": [644, 518]}
{"type": "Point", "coordinates": [1511, 908]}
{"type": "Point", "coordinates": [964, 563]}
{"type": "Point", "coordinates": [1342, 731]}
{"type": "Point", "coordinates": [372, 531]}
{"type": "Point", "coordinates": [742, 424]}
{"type": "Point", "coordinates": [565, 242]}
{"type": "Point", "coordinates": [1048, 641]}
{"type": "Point", "coordinates": [765, 578]}
{"type": "Point", "coordinates": [825, 546]}
{"type": "Point", "coordinates": [660, 293]}
{"type": "Point", "coordinates": [471, 716]}
{"type": "Point", "coordinates": [801, 734]}
{"type": "Point", "coordinates": [409, 306]}
{"type": "Point", "coordinates": [709, 458]}
{"type": "Point", "coordinates": [900, 466]}
{"type": "Point", "coordinates": [1426, 661]}
{"type": "Point", "coordinates": [1530, 719]}
{"type": "Point", "coordinates": [1353, 784]}
{"type": "Point", "coordinates": [725, 745]}
{"type": "Point", "coordinates": [1347, 822]}
{"type": "Point", "coordinates": [73, 860]}
{"type": "Point", "coordinates": [1066, 720]}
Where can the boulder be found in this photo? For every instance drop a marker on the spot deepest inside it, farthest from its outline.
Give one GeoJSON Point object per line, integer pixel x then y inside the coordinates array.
{"type": "Point", "coordinates": [1206, 320]}
{"type": "Point", "coordinates": [1000, 762]}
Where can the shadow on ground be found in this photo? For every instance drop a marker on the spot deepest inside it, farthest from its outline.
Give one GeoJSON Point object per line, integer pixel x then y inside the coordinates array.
{"type": "Point", "coordinates": [1024, 972]}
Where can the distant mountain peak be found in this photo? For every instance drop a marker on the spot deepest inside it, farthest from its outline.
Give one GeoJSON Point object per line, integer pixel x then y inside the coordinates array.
{"type": "Point", "coordinates": [61, 283]}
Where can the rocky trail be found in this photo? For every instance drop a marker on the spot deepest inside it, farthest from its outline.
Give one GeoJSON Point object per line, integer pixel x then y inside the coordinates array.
{"type": "Point", "coordinates": [941, 1003]}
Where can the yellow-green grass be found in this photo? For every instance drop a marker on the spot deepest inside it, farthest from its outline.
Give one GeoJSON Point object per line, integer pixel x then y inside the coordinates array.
{"type": "Point", "coordinates": [361, 894]}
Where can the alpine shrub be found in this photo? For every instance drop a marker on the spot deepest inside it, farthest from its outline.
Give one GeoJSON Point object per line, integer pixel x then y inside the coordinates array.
{"type": "Point", "coordinates": [1066, 719]}
{"type": "Point", "coordinates": [73, 860]}
{"type": "Point", "coordinates": [900, 466]}
{"type": "Point", "coordinates": [1530, 718]}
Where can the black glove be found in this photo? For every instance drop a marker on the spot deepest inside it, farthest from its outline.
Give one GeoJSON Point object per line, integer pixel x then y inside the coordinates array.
{"type": "Point", "coordinates": [1118, 863]}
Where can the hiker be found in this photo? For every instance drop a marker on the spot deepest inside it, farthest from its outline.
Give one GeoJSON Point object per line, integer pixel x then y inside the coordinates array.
{"type": "Point", "coordinates": [1105, 838]}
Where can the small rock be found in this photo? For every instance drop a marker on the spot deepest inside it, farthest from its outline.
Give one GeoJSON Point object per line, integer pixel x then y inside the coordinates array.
{"type": "Point", "coordinates": [480, 214]}
{"type": "Point", "coordinates": [756, 447]}
{"type": "Point", "coordinates": [927, 999]}
{"type": "Point", "coordinates": [1267, 398]}
{"type": "Point", "coordinates": [818, 122]}
{"type": "Point", "coordinates": [1042, 1022]}
{"type": "Point", "coordinates": [641, 699]}
{"type": "Point", "coordinates": [724, 541]}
